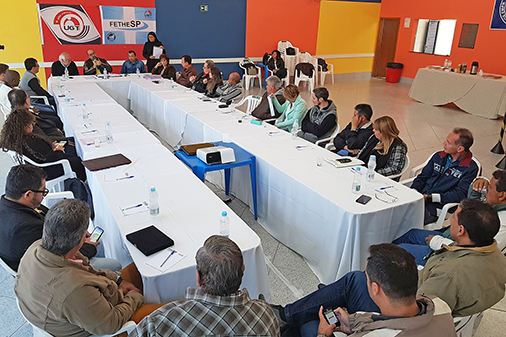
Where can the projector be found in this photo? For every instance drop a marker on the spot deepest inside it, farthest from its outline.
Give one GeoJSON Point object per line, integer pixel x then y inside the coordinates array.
{"type": "Point", "coordinates": [216, 155]}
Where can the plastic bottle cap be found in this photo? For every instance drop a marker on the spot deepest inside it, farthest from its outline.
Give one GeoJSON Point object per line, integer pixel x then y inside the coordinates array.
{"type": "Point", "coordinates": [358, 168]}
{"type": "Point", "coordinates": [373, 157]}
{"type": "Point", "coordinates": [153, 189]}
{"type": "Point", "coordinates": [224, 213]}
{"type": "Point", "coordinates": [107, 124]}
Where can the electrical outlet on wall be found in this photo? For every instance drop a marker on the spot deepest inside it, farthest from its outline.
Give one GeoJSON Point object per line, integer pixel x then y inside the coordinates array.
{"type": "Point", "coordinates": [407, 22]}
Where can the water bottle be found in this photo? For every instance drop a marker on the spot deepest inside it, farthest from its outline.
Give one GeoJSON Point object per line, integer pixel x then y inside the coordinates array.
{"type": "Point", "coordinates": [224, 224]}
{"type": "Point", "coordinates": [66, 75]}
{"type": "Point", "coordinates": [85, 111]}
{"type": "Point", "coordinates": [108, 132]}
{"type": "Point", "coordinates": [356, 186]}
{"type": "Point", "coordinates": [483, 195]}
{"type": "Point", "coordinates": [154, 208]}
{"type": "Point", "coordinates": [106, 76]}
{"type": "Point", "coordinates": [371, 166]}
{"type": "Point", "coordinates": [295, 129]}
{"type": "Point", "coordinates": [138, 72]}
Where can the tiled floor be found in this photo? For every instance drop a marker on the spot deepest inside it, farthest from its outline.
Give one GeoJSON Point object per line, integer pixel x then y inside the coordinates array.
{"type": "Point", "coordinates": [422, 127]}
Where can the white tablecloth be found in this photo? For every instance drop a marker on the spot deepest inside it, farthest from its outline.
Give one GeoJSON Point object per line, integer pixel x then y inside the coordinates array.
{"type": "Point", "coordinates": [310, 209]}
{"type": "Point", "coordinates": [474, 94]}
{"type": "Point", "coordinates": [188, 218]}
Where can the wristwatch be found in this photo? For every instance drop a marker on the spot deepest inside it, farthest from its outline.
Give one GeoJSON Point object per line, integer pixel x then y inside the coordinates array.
{"type": "Point", "coordinates": [119, 279]}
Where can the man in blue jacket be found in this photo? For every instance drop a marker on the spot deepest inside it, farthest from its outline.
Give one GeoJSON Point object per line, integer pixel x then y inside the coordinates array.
{"type": "Point", "coordinates": [448, 174]}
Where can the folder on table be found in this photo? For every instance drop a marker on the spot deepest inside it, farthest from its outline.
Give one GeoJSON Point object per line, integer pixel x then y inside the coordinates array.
{"type": "Point", "coordinates": [150, 240]}
{"type": "Point", "coordinates": [106, 162]}
{"type": "Point", "coordinates": [191, 150]}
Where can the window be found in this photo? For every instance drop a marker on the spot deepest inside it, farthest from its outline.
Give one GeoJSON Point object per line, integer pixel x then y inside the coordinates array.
{"type": "Point", "coordinates": [434, 36]}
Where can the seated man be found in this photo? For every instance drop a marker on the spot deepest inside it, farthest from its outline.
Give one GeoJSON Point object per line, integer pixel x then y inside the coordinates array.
{"type": "Point", "coordinates": [58, 290]}
{"type": "Point", "coordinates": [187, 72]}
{"type": "Point", "coordinates": [455, 274]}
{"type": "Point", "coordinates": [22, 217]}
{"type": "Point", "coordinates": [392, 279]}
{"type": "Point", "coordinates": [231, 89]}
{"type": "Point", "coordinates": [320, 120]}
{"type": "Point", "coordinates": [48, 124]}
{"type": "Point", "coordinates": [199, 82]}
{"type": "Point", "coordinates": [64, 62]}
{"type": "Point", "coordinates": [3, 69]}
{"type": "Point", "coordinates": [218, 307]}
{"type": "Point", "coordinates": [133, 64]}
{"type": "Point", "coordinates": [31, 83]}
{"type": "Point", "coordinates": [353, 137]}
{"type": "Point", "coordinates": [420, 242]}
{"type": "Point", "coordinates": [448, 174]}
{"type": "Point", "coordinates": [95, 65]}
{"type": "Point", "coordinates": [263, 110]}
{"type": "Point", "coordinates": [12, 79]}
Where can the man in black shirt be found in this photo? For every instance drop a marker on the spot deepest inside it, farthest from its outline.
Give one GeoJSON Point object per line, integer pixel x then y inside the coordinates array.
{"type": "Point", "coordinates": [64, 62]}
{"type": "Point", "coordinates": [353, 137]}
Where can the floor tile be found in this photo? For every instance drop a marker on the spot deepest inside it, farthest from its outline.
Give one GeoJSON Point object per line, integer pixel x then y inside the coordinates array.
{"type": "Point", "coordinates": [492, 324]}
{"type": "Point", "coordinates": [25, 331]}
{"type": "Point", "coordinates": [10, 319]}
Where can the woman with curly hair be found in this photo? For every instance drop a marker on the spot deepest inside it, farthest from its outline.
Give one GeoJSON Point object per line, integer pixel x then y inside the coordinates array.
{"type": "Point", "coordinates": [17, 135]}
{"type": "Point", "coordinates": [215, 81]}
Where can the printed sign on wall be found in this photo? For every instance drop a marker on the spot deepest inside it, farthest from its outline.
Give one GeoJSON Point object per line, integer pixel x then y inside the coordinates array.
{"type": "Point", "coordinates": [70, 24]}
{"type": "Point", "coordinates": [499, 15]}
{"type": "Point", "coordinates": [127, 25]}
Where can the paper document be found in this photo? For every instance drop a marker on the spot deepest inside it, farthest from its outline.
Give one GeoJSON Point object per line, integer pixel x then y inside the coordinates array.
{"type": "Point", "coordinates": [157, 51]}
{"type": "Point", "coordinates": [165, 259]}
{"type": "Point", "coordinates": [271, 107]}
{"type": "Point", "coordinates": [134, 209]}
{"type": "Point", "coordinates": [91, 141]}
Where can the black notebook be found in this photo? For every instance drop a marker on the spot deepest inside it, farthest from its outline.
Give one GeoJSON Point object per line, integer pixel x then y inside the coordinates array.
{"type": "Point", "coordinates": [106, 162]}
{"type": "Point", "coordinates": [150, 240]}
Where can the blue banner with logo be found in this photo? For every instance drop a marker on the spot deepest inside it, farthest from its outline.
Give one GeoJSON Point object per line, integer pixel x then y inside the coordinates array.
{"type": "Point", "coordinates": [127, 25]}
{"type": "Point", "coordinates": [499, 15]}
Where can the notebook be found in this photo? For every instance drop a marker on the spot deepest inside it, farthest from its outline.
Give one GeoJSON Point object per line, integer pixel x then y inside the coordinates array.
{"type": "Point", "coordinates": [150, 240]}
{"type": "Point", "coordinates": [191, 150]}
{"type": "Point", "coordinates": [106, 162]}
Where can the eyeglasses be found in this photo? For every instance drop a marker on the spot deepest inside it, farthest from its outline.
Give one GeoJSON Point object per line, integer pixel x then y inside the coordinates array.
{"type": "Point", "coordinates": [390, 200]}
{"type": "Point", "coordinates": [44, 192]}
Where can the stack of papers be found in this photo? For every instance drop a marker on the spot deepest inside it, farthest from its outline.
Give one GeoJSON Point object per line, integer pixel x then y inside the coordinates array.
{"type": "Point", "coordinates": [165, 259]}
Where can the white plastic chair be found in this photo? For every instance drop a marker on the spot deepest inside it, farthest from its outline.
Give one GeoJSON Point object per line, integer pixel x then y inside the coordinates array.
{"type": "Point", "coordinates": [7, 268]}
{"type": "Point", "coordinates": [464, 325]}
{"type": "Point", "coordinates": [404, 169]}
{"type": "Point", "coordinates": [321, 73]}
{"type": "Point", "coordinates": [327, 139]}
{"type": "Point", "coordinates": [305, 57]}
{"type": "Point", "coordinates": [52, 198]}
{"type": "Point", "coordinates": [252, 100]}
{"type": "Point", "coordinates": [285, 80]}
{"type": "Point", "coordinates": [290, 60]}
{"type": "Point", "coordinates": [53, 185]}
{"type": "Point", "coordinates": [247, 78]}
{"type": "Point", "coordinates": [44, 98]}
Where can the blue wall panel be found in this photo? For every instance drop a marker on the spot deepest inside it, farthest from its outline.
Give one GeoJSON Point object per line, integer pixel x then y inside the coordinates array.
{"type": "Point", "coordinates": [220, 32]}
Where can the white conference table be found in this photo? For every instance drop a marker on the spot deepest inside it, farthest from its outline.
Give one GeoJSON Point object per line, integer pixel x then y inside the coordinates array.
{"type": "Point", "coordinates": [308, 208]}
{"type": "Point", "coordinates": [189, 219]}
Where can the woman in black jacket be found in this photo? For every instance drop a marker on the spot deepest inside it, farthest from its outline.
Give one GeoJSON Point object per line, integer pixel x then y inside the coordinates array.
{"type": "Point", "coordinates": [17, 136]}
{"type": "Point", "coordinates": [164, 68]}
{"type": "Point", "coordinates": [147, 51]}
{"type": "Point", "coordinates": [276, 64]}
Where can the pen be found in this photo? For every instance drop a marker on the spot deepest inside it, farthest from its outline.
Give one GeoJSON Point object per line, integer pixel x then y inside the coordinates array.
{"type": "Point", "coordinates": [167, 258]}
{"type": "Point", "coordinates": [138, 205]}
{"type": "Point", "coordinates": [273, 132]}
{"type": "Point", "coordinates": [91, 131]}
{"type": "Point", "coordinates": [301, 146]}
{"type": "Point", "coordinates": [386, 187]}
{"type": "Point", "coordinates": [124, 178]}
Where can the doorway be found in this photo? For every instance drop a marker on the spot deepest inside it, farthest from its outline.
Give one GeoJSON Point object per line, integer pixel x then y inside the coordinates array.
{"type": "Point", "coordinates": [385, 45]}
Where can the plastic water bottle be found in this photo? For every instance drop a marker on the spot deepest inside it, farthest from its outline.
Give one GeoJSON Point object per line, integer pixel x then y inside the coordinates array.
{"type": "Point", "coordinates": [371, 166]}
{"type": "Point", "coordinates": [108, 132]}
{"type": "Point", "coordinates": [356, 186]}
{"type": "Point", "coordinates": [295, 129]}
{"type": "Point", "coordinates": [483, 196]}
{"type": "Point", "coordinates": [138, 72]}
{"type": "Point", "coordinates": [154, 208]}
{"type": "Point", "coordinates": [66, 74]}
{"type": "Point", "coordinates": [224, 224]}
{"type": "Point", "coordinates": [106, 76]}
{"type": "Point", "coordinates": [85, 111]}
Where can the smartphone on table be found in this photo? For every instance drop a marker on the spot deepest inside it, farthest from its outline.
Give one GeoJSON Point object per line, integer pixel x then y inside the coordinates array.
{"type": "Point", "coordinates": [363, 199]}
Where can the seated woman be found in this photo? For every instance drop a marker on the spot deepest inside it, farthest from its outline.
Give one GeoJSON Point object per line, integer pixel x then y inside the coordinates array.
{"type": "Point", "coordinates": [294, 108]}
{"type": "Point", "coordinates": [214, 82]}
{"type": "Point", "coordinates": [163, 67]}
{"type": "Point", "coordinates": [17, 135]}
{"type": "Point", "coordinates": [277, 65]}
{"type": "Point", "coordinates": [385, 144]}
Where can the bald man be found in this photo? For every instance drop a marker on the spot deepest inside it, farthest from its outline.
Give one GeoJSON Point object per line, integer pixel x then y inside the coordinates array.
{"type": "Point", "coordinates": [12, 79]}
{"type": "Point", "coordinates": [95, 65]}
{"type": "Point", "coordinates": [231, 89]}
{"type": "Point", "coordinates": [64, 62]}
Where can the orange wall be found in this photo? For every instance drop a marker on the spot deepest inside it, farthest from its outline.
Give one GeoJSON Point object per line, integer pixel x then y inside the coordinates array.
{"type": "Point", "coordinates": [269, 21]}
{"type": "Point", "coordinates": [490, 47]}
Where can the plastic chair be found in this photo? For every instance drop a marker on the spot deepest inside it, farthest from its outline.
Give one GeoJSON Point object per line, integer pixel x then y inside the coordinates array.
{"type": "Point", "coordinates": [290, 60]}
{"type": "Point", "coordinates": [327, 139]}
{"type": "Point", "coordinates": [404, 169]}
{"type": "Point", "coordinates": [44, 98]}
{"type": "Point", "coordinates": [53, 185]}
{"type": "Point", "coordinates": [247, 78]}
{"type": "Point", "coordinates": [52, 198]}
{"type": "Point", "coordinates": [464, 325]}
{"type": "Point", "coordinates": [305, 57]}
{"type": "Point", "coordinates": [252, 100]}
{"type": "Point", "coordinates": [7, 268]}
{"type": "Point", "coordinates": [321, 73]}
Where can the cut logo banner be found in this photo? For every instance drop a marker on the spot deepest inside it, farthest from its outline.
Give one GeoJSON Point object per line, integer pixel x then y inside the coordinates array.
{"type": "Point", "coordinates": [70, 24]}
